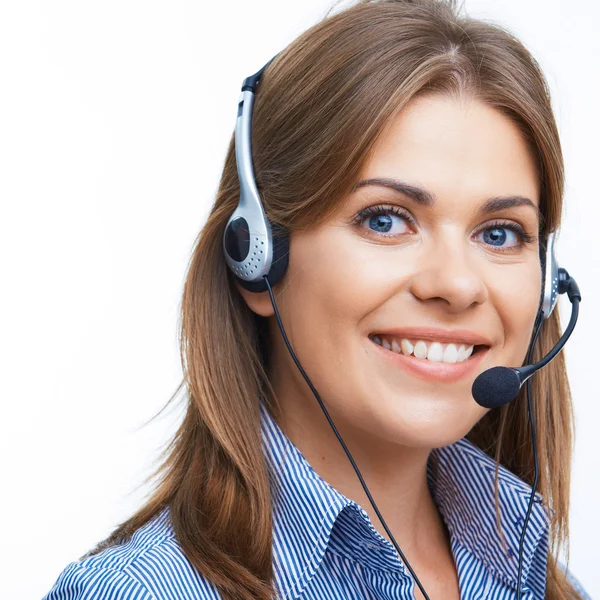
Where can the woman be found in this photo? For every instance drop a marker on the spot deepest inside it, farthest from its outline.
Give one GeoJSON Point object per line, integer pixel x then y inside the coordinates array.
{"type": "Point", "coordinates": [379, 137]}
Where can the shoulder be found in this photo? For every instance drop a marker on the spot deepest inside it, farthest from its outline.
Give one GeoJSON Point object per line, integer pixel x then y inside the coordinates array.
{"type": "Point", "coordinates": [150, 566]}
{"type": "Point", "coordinates": [85, 582]}
{"type": "Point", "coordinates": [574, 582]}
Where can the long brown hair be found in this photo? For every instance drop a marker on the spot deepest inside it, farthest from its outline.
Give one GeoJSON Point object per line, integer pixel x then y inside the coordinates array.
{"type": "Point", "coordinates": [321, 106]}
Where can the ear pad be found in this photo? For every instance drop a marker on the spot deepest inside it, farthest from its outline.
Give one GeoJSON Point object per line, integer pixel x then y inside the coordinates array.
{"type": "Point", "coordinates": [281, 250]}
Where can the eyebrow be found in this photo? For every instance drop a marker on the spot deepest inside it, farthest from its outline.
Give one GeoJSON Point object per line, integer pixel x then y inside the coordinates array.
{"type": "Point", "coordinates": [426, 198]}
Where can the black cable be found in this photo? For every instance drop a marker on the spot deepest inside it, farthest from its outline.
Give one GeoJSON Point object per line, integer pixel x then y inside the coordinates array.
{"type": "Point", "coordinates": [535, 459]}
{"type": "Point", "coordinates": [339, 437]}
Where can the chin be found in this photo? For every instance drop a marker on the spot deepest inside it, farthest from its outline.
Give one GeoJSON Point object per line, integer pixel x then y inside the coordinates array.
{"type": "Point", "coordinates": [428, 424]}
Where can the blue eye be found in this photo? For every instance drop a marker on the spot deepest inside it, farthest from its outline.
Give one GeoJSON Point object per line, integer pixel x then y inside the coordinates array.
{"type": "Point", "coordinates": [496, 235]}
{"type": "Point", "coordinates": [381, 219]}
{"type": "Point", "coordinates": [381, 223]}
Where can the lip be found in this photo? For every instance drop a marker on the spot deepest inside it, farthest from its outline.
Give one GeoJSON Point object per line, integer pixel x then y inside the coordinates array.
{"type": "Point", "coordinates": [432, 334]}
{"type": "Point", "coordinates": [432, 371]}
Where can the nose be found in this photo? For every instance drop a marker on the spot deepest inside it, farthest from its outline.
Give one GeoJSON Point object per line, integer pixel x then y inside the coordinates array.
{"type": "Point", "coordinates": [446, 273]}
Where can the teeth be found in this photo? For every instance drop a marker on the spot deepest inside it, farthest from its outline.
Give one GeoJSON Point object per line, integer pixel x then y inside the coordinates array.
{"type": "Point", "coordinates": [451, 353]}
{"type": "Point", "coordinates": [407, 347]}
{"type": "Point", "coordinates": [464, 352]}
{"type": "Point", "coordinates": [433, 351]}
{"type": "Point", "coordinates": [420, 349]}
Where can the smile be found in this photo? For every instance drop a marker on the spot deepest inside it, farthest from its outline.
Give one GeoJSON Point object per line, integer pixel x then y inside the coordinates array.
{"type": "Point", "coordinates": [430, 360]}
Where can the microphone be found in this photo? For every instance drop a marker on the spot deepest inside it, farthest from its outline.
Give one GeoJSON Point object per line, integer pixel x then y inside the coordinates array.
{"type": "Point", "coordinates": [499, 385]}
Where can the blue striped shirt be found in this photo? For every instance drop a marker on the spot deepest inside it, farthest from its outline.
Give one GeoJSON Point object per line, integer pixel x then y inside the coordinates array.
{"type": "Point", "coordinates": [325, 546]}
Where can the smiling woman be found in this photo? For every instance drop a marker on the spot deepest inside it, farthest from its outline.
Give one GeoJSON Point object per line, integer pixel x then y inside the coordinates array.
{"type": "Point", "coordinates": [412, 155]}
{"type": "Point", "coordinates": [392, 259]}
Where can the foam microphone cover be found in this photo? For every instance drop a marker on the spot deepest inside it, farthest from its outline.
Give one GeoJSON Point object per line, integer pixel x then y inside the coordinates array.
{"type": "Point", "coordinates": [496, 386]}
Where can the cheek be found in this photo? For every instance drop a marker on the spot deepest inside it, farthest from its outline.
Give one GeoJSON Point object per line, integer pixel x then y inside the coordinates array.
{"type": "Point", "coordinates": [330, 299]}
{"type": "Point", "coordinates": [517, 306]}
{"type": "Point", "coordinates": [326, 303]}
{"type": "Point", "coordinates": [337, 286]}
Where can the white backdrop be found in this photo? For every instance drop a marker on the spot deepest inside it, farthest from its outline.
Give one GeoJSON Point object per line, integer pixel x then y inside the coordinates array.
{"type": "Point", "coordinates": [114, 121]}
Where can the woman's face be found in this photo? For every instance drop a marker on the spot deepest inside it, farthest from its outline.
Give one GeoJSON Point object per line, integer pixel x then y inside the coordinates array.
{"type": "Point", "coordinates": [437, 263]}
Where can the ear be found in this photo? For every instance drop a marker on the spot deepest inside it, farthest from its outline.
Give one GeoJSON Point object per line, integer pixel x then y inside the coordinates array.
{"type": "Point", "coordinates": [258, 302]}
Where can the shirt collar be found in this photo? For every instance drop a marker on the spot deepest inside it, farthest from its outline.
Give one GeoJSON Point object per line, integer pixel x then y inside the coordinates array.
{"type": "Point", "coordinates": [461, 477]}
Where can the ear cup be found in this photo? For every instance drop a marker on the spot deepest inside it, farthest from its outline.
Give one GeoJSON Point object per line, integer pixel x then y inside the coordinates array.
{"type": "Point", "coordinates": [281, 250]}
{"type": "Point", "coordinates": [550, 276]}
{"type": "Point", "coordinates": [543, 246]}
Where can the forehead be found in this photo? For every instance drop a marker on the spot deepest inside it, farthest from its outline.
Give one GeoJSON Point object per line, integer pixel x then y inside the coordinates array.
{"type": "Point", "coordinates": [457, 148]}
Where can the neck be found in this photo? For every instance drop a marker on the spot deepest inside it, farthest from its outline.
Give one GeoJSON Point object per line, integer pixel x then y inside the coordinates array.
{"type": "Point", "coordinates": [396, 475]}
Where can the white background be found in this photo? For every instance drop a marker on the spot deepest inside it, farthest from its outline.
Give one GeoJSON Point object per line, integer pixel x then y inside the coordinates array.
{"type": "Point", "coordinates": [114, 121]}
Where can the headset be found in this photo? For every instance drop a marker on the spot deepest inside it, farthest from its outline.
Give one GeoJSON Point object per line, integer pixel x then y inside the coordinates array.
{"type": "Point", "coordinates": [256, 252]}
